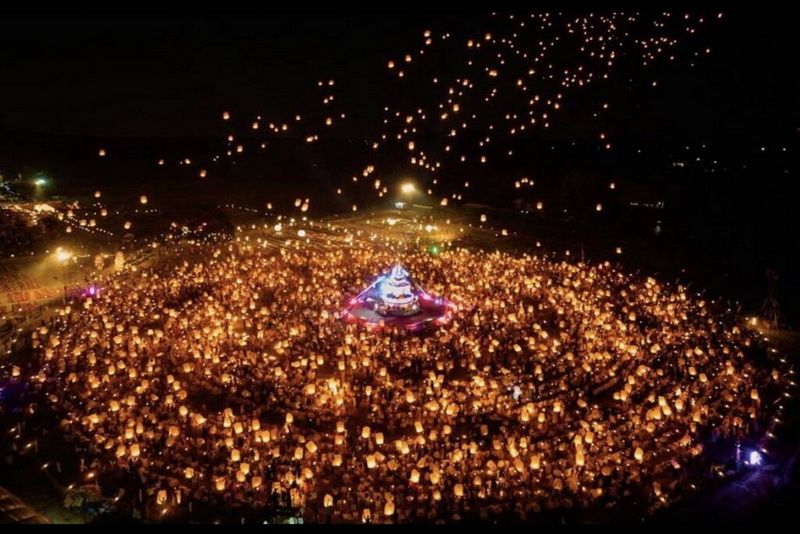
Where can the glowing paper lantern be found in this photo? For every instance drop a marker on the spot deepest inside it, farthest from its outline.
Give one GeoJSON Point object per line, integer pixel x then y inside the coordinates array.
{"type": "Point", "coordinates": [536, 462]}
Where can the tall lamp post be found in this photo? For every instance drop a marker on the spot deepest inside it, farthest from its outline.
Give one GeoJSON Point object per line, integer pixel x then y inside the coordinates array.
{"type": "Point", "coordinates": [63, 257]}
{"type": "Point", "coordinates": [408, 190]}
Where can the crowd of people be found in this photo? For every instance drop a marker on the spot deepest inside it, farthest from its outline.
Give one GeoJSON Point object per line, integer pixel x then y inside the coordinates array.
{"type": "Point", "coordinates": [228, 385]}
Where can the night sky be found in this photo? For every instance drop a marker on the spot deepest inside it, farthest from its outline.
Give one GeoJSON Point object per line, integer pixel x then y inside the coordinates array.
{"type": "Point", "coordinates": [170, 75]}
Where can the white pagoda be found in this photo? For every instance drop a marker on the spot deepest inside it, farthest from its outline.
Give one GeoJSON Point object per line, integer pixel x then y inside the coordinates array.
{"type": "Point", "coordinates": [398, 297]}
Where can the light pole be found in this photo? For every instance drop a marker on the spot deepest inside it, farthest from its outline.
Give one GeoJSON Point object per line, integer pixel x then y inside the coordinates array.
{"type": "Point", "coordinates": [408, 190]}
{"type": "Point", "coordinates": [63, 257]}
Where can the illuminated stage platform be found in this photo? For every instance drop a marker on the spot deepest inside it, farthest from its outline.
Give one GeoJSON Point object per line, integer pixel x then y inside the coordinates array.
{"type": "Point", "coordinates": [394, 300]}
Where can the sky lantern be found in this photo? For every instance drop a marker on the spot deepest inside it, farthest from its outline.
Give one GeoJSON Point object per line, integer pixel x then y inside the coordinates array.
{"type": "Point", "coordinates": [101, 152]}
{"type": "Point", "coordinates": [143, 200]}
{"type": "Point", "coordinates": [226, 115]}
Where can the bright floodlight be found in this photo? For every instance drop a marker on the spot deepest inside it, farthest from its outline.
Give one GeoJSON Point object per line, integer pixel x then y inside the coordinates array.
{"type": "Point", "coordinates": [63, 255]}
{"type": "Point", "coordinates": [408, 189]}
{"type": "Point", "coordinates": [755, 458]}
{"type": "Point", "coordinates": [40, 182]}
